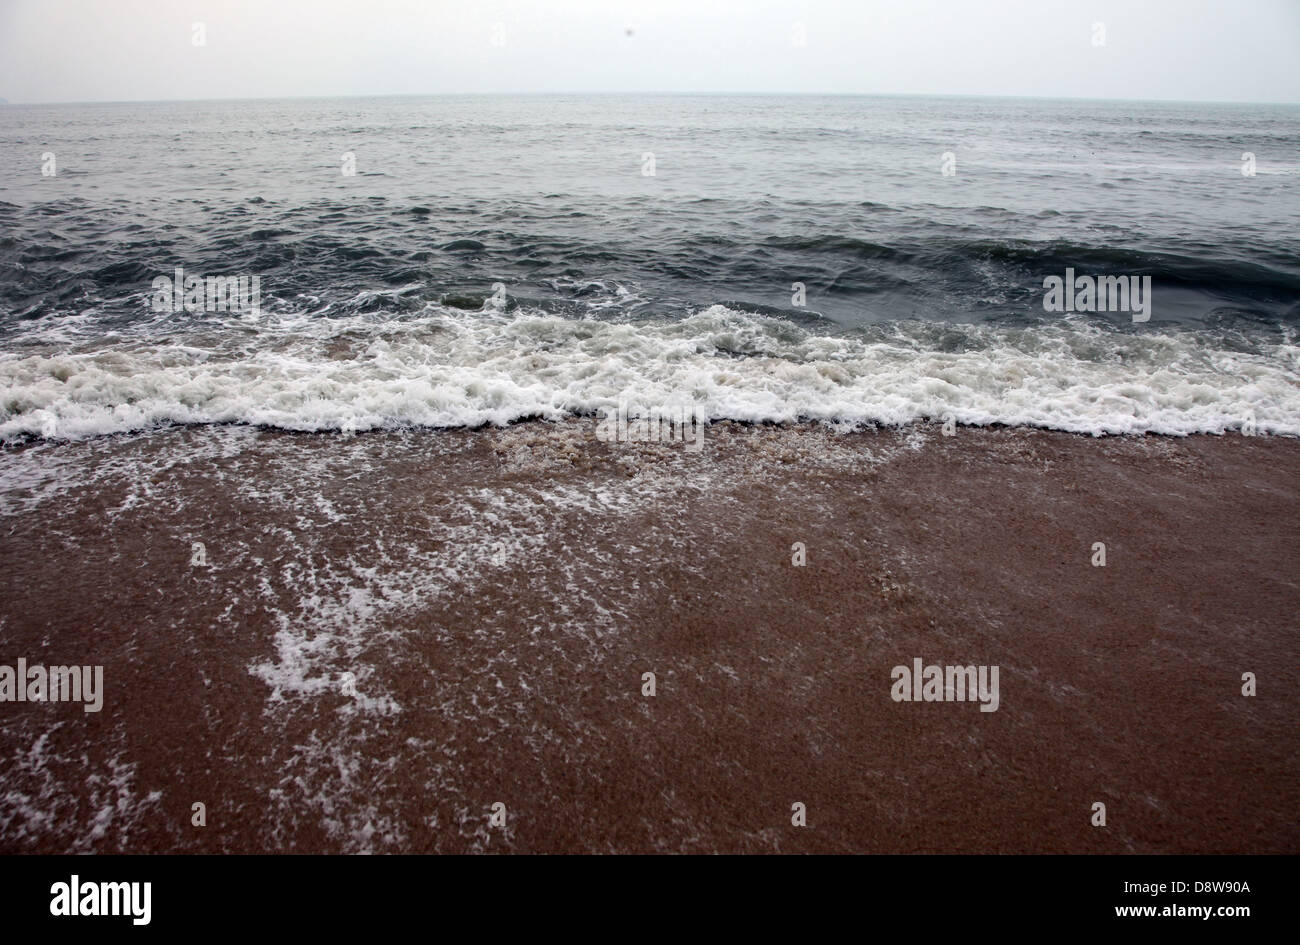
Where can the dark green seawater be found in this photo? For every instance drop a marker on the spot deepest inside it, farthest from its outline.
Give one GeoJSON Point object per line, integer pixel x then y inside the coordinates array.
{"type": "Point", "coordinates": [448, 261]}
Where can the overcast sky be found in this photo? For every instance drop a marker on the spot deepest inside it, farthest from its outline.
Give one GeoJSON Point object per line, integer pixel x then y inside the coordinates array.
{"type": "Point", "coordinates": [109, 50]}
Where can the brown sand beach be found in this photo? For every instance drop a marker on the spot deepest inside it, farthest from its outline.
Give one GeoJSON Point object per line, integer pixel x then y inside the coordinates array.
{"type": "Point", "coordinates": [392, 632]}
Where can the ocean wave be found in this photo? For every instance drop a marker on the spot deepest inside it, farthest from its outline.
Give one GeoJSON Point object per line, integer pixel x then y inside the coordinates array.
{"type": "Point", "coordinates": [449, 368]}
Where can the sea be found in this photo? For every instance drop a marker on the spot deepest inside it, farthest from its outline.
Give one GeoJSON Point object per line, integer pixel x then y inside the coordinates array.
{"type": "Point", "coordinates": [424, 263]}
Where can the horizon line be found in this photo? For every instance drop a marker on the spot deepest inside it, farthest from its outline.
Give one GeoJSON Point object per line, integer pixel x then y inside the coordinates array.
{"type": "Point", "coordinates": [535, 94]}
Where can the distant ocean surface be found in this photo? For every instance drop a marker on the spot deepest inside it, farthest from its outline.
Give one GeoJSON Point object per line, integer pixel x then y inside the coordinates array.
{"type": "Point", "coordinates": [500, 258]}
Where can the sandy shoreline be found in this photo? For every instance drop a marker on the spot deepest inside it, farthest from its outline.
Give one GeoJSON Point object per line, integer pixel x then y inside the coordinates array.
{"type": "Point", "coordinates": [498, 594]}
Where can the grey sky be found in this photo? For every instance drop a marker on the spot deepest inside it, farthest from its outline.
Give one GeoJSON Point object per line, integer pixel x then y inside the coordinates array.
{"type": "Point", "coordinates": [102, 50]}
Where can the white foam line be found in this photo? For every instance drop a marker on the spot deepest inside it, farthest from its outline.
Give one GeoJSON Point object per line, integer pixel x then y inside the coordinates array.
{"type": "Point", "coordinates": [452, 370]}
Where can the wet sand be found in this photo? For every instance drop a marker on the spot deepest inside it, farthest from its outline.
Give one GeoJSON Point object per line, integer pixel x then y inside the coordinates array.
{"type": "Point", "coordinates": [497, 596]}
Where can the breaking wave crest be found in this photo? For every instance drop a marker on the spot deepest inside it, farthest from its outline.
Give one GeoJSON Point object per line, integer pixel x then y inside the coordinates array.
{"type": "Point", "coordinates": [445, 367]}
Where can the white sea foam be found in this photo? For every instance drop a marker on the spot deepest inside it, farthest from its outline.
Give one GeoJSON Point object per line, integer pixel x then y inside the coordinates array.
{"type": "Point", "coordinates": [447, 369]}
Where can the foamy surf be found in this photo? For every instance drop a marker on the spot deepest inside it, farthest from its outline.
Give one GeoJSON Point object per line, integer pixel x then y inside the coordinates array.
{"type": "Point", "coordinates": [449, 368]}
